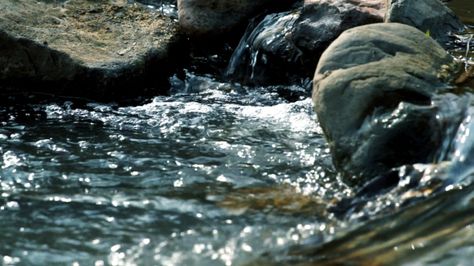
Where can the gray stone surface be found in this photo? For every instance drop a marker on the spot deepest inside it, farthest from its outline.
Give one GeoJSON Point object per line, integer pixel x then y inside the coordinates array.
{"type": "Point", "coordinates": [374, 91]}
{"type": "Point", "coordinates": [99, 49]}
{"type": "Point", "coordinates": [284, 47]}
{"type": "Point", "coordinates": [212, 17]}
{"type": "Point", "coordinates": [430, 16]}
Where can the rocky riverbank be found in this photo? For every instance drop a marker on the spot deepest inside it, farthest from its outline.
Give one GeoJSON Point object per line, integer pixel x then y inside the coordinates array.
{"type": "Point", "coordinates": [102, 49]}
{"type": "Point", "coordinates": [117, 50]}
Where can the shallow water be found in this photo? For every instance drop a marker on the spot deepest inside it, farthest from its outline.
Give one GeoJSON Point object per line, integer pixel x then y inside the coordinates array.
{"type": "Point", "coordinates": [166, 182]}
{"type": "Point", "coordinates": [215, 174]}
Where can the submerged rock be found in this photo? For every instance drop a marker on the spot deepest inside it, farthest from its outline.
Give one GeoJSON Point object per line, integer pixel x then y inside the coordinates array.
{"type": "Point", "coordinates": [204, 17]}
{"type": "Point", "coordinates": [430, 16]}
{"type": "Point", "coordinates": [376, 92]}
{"type": "Point", "coordinates": [99, 49]}
{"type": "Point", "coordinates": [284, 47]}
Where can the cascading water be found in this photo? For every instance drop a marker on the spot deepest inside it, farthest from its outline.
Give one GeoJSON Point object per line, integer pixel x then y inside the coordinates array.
{"type": "Point", "coordinates": [258, 55]}
{"type": "Point", "coordinates": [462, 151]}
{"type": "Point", "coordinates": [165, 183]}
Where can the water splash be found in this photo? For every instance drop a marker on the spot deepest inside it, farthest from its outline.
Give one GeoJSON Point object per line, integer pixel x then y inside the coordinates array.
{"type": "Point", "coordinates": [251, 62]}
{"type": "Point", "coordinates": [144, 184]}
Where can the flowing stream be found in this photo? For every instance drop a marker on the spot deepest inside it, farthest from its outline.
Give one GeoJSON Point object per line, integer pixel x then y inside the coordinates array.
{"type": "Point", "coordinates": [218, 174]}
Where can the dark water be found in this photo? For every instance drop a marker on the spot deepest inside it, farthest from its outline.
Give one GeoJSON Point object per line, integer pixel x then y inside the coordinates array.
{"type": "Point", "coordinates": [217, 174]}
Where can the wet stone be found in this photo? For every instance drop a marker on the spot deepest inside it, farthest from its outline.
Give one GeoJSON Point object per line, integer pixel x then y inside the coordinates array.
{"type": "Point", "coordinates": [385, 85]}
{"type": "Point", "coordinates": [93, 49]}
{"type": "Point", "coordinates": [284, 47]}
{"type": "Point", "coordinates": [210, 17]}
{"type": "Point", "coordinates": [430, 16]}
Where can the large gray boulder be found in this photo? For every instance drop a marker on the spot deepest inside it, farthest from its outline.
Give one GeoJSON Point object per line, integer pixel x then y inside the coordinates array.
{"type": "Point", "coordinates": [212, 17]}
{"type": "Point", "coordinates": [430, 16]}
{"type": "Point", "coordinates": [376, 92]}
{"type": "Point", "coordinates": [284, 47]}
{"type": "Point", "coordinates": [104, 49]}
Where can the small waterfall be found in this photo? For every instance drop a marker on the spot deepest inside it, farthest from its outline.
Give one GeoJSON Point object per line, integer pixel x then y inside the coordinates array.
{"type": "Point", "coordinates": [455, 158]}
{"type": "Point", "coordinates": [461, 154]}
{"type": "Point", "coordinates": [452, 109]}
{"type": "Point", "coordinates": [454, 163]}
{"type": "Point", "coordinates": [264, 50]}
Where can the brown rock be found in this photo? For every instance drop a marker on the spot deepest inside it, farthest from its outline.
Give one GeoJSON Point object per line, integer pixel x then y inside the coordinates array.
{"type": "Point", "coordinates": [98, 49]}
{"type": "Point", "coordinates": [373, 7]}
{"type": "Point", "coordinates": [377, 92]}
{"type": "Point", "coordinates": [430, 16]}
{"type": "Point", "coordinates": [202, 17]}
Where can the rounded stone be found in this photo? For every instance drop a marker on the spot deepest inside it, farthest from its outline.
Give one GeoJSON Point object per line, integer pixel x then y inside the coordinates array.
{"type": "Point", "coordinates": [375, 92]}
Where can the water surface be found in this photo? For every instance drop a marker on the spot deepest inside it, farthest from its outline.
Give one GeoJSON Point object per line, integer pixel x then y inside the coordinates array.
{"type": "Point", "coordinates": [216, 174]}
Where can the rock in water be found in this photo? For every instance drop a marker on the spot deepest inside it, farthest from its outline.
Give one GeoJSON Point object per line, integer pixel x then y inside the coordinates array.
{"type": "Point", "coordinates": [374, 93]}
{"type": "Point", "coordinates": [283, 47]}
{"type": "Point", "coordinates": [101, 49]}
{"type": "Point", "coordinates": [430, 16]}
{"type": "Point", "coordinates": [211, 17]}
{"type": "Point", "coordinates": [322, 21]}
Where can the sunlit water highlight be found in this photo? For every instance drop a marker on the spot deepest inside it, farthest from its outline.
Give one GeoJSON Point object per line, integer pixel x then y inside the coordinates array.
{"type": "Point", "coordinates": [215, 174]}
{"type": "Point", "coordinates": [154, 184]}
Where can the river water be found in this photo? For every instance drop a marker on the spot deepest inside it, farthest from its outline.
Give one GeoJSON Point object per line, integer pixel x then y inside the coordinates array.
{"type": "Point", "coordinates": [215, 174]}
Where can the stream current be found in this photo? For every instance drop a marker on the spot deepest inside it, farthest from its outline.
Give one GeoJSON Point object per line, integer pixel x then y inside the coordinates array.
{"type": "Point", "coordinates": [214, 174]}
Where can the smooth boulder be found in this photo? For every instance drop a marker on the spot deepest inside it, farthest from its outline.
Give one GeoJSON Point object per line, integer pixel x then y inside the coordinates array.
{"type": "Point", "coordinates": [104, 50]}
{"type": "Point", "coordinates": [430, 16]}
{"type": "Point", "coordinates": [377, 94]}
{"type": "Point", "coordinates": [284, 47]}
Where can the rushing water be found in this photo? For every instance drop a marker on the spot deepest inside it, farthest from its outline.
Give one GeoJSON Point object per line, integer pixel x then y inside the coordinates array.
{"type": "Point", "coordinates": [206, 177]}
{"type": "Point", "coordinates": [217, 174]}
